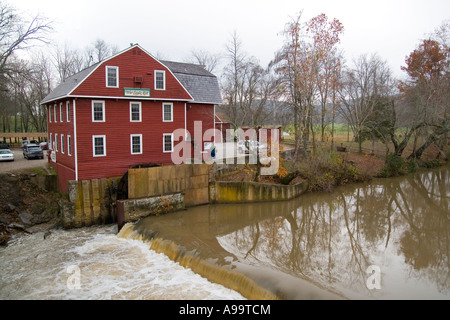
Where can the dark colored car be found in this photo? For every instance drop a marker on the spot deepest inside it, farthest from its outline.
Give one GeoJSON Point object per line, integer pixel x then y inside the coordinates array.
{"type": "Point", "coordinates": [4, 145]}
{"type": "Point", "coordinates": [31, 151]}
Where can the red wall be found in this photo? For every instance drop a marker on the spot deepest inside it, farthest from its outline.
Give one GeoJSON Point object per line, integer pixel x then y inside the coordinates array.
{"type": "Point", "coordinates": [117, 126]}
{"type": "Point", "coordinates": [118, 129]}
{"type": "Point", "coordinates": [131, 63]}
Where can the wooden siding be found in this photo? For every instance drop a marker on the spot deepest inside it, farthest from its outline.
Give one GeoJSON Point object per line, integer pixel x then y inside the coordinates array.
{"type": "Point", "coordinates": [132, 63]}
{"type": "Point", "coordinates": [118, 129]}
{"type": "Point", "coordinates": [65, 163]}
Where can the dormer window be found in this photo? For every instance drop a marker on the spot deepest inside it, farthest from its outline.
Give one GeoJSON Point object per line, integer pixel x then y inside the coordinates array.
{"type": "Point", "coordinates": [160, 80]}
{"type": "Point", "coordinates": [112, 77]}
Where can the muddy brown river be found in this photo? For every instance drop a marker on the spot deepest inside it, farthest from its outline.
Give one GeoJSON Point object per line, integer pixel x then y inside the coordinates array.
{"type": "Point", "coordinates": [388, 239]}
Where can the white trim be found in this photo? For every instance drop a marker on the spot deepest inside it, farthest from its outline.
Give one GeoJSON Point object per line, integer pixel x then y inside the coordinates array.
{"type": "Point", "coordinates": [68, 117]}
{"type": "Point", "coordinates": [140, 111]}
{"type": "Point", "coordinates": [56, 143]}
{"type": "Point", "coordinates": [140, 142]}
{"type": "Point", "coordinates": [69, 145]}
{"type": "Point", "coordinates": [171, 111]}
{"type": "Point", "coordinates": [185, 121]}
{"type": "Point", "coordinates": [103, 62]}
{"type": "Point", "coordinates": [49, 112]}
{"type": "Point", "coordinates": [103, 110]}
{"type": "Point", "coordinates": [136, 98]}
{"type": "Point", "coordinates": [164, 80]}
{"type": "Point", "coordinates": [55, 118]}
{"type": "Point", "coordinates": [164, 142]}
{"type": "Point", "coordinates": [104, 146]}
{"type": "Point", "coordinates": [63, 149]}
{"type": "Point", "coordinates": [117, 76]}
{"type": "Point", "coordinates": [61, 114]}
{"type": "Point", "coordinates": [75, 137]}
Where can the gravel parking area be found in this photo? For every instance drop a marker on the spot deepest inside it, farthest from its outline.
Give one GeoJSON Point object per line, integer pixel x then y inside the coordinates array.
{"type": "Point", "coordinates": [20, 162]}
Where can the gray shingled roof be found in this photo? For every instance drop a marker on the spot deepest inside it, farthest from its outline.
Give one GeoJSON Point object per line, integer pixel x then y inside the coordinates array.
{"type": "Point", "coordinates": [68, 85]}
{"type": "Point", "coordinates": [202, 85]}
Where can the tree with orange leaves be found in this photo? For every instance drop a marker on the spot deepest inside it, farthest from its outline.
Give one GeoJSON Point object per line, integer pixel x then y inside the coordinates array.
{"type": "Point", "coordinates": [427, 92]}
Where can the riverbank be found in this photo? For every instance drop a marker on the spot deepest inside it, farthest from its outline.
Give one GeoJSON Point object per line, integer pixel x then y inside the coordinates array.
{"type": "Point", "coordinates": [27, 207]}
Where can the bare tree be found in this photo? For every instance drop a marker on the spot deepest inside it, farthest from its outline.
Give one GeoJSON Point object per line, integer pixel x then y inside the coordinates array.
{"type": "Point", "coordinates": [68, 61]}
{"type": "Point", "coordinates": [205, 58]}
{"type": "Point", "coordinates": [16, 33]}
{"type": "Point", "coordinates": [361, 86]}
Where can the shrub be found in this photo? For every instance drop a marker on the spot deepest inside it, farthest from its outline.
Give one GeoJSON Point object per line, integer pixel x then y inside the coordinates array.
{"type": "Point", "coordinates": [394, 166]}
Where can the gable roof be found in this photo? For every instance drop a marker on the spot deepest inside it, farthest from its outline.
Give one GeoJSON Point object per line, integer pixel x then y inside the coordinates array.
{"type": "Point", "coordinates": [202, 85]}
{"type": "Point", "coordinates": [68, 85]}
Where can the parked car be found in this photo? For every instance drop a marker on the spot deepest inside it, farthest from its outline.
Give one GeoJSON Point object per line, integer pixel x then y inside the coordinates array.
{"type": "Point", "coordinates": [44, 145]}
{"type": "Point", "coordinates": [27, 142]}
{"type": "Point", "coordinates": [6, 155]}
{"type": "Point", "coordinates": [4, 145]}
{"type": "Point", "coordinates": [31, 151]}
{"type": "Point", "coordinates": [247, 146]}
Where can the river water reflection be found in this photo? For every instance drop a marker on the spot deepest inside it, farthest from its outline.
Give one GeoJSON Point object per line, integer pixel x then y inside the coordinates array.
{"type": "Point", "coordinates": [388, 239]}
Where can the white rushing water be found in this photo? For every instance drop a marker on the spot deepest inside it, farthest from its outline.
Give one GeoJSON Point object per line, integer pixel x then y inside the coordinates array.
{"type": "Point", "coordinates": [93, 263]}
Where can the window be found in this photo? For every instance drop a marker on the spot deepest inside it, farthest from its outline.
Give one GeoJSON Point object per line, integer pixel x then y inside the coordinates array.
{"type": "Point", "coordinates": [168, 142]}
{"type": "Point", "coordinates": [98, 111]}
{"type": "Point", "coordinates": [136, 144]}
{"type": "Point", "coordinates": [61, 119]}
{"type": "Point", "coordinates": [50, 145]}
{"type": "Point", "coordinates": [167, 112]}
{"type": "Point", "coordinates": [68, 111]}
{"type": "Point", "coordinates": [135, 111]}
{"type": "Point", "coordinates": [50, 114]}
{"type": "Point", "coordinates": [62, 143]}
{"type": "Point", "coordinates": [160, 80]}
{"type": "Point", "coordinates": [112, 77]}
{"type": "Point", "coordinates": [99, 146]}
{"type": "Point", "coordinates": [56, 142]}
{"type": "Point", "coordinates": [54, 113]}
{"type": "Point", "coordinates": [69, 145]}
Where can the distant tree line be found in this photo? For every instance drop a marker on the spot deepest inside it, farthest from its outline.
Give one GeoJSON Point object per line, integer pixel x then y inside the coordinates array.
{"type": "Point", "coordinates": [311, 77]}
{"type": "Point", "coordinates": [308, 84]}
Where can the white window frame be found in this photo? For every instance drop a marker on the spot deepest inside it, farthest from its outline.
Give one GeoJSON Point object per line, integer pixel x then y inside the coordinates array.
{"type": "Point", "coordinates": [50, 115]}
{"type": "Point", "coordinates": [117, 76]}
{"type": "Point", "coordinates": [104, 145]}
{"type": "Point", "coordinates": [54, 113]}
{"type": "Point", "coordinates": [140, 143]}
{"type": "Point", "coordinates": [131, 111]}
{"type": "Point", "coordinates": [68, 111]}
{"type": "Point", "coordinates": [164, 79]}
{"type": "Point", "coordinates": [171, 111]}
{"type": "Point", "coordinates": [61, 114]}
{"type": "Point", "coordinates": [56, 143]}
{"type": "Point", "coordinates": [69, 145]}
{"type": "Point", "coordinates": [164, 142]}
{"type": "Point", "coordinates": [103, 110]}
{"type": "Point", "coordinates": [50, 141]}
{"type": "Point", "coordinates": [62, 144]}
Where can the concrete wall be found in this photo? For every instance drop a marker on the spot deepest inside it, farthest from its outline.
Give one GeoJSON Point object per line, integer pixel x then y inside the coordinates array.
{"type": "Point", "coordinates": [91, 202]}
{"type": "Point", "coordinates": [132, 210]}
{"type": "Point", "coordinates": [242, 192]}
{"type": "Point", "coordinates": [159, 190]}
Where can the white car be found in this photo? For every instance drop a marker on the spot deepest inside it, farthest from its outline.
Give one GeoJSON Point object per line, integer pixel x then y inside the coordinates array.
{"type": "Point", "coordinates": [6, 155]}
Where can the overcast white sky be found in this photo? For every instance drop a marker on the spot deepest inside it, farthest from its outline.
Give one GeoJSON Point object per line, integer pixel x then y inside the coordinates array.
{"type": "Point", "coordinates": [172, 28]}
